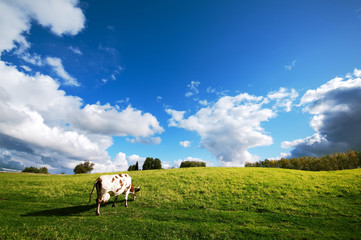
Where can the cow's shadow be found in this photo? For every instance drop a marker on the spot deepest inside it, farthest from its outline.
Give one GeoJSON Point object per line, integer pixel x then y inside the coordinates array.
{"type": "Point", "coordinates": [69, 211]}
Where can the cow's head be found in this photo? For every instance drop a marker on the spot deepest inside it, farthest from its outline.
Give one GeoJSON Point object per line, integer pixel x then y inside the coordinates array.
{"type": "Point", "coordinates": [134, 191]}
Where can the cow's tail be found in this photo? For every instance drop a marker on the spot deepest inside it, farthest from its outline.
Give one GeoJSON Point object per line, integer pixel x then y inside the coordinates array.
{"type": "Point", "coordinates": [91, 193]}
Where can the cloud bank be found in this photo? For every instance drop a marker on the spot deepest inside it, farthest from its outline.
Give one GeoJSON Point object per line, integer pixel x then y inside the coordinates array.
{"type": "Point", "coordinates": [336, 111]}
{"type": "Point", "coordinates": [232, 125]}
{"type": "Point", "coordinates": [42, 122]}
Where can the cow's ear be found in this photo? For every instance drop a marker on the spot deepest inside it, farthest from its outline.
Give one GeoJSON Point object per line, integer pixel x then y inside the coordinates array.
{"type": "Point", "coordinates": [137, 189]}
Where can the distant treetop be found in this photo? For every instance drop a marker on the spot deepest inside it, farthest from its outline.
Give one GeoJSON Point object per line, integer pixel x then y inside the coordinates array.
{"type": "Point", "coordinates": [192, 164]}
{"type": "Point", "coordinates": [151, 163]}
{"type": "Point", "coordinates": [85, 167]}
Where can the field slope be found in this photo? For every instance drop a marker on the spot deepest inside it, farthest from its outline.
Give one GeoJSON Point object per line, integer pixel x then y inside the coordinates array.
{"type": "Point", "coordinates": [195, 203]}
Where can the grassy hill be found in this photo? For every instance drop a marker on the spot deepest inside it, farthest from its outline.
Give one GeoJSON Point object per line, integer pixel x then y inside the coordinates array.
{"type": "Point", "coordinates": [194, 203]}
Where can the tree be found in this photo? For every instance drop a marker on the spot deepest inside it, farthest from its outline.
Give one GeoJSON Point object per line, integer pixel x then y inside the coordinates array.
{"type": "Point", "coordinates": [85, 167]}
{"type": "Point", "coordinates": [151, 163]}
{"type": "Point", "coordinates": [148, 163]}
{"type": "Point", "coordinates": [157, 164]}
{"type": "Point", "coordinates": [32, 169]}
{"type": "Point", "coordinates": [247, 164]}
{"type": "Point", "coordinates": [133, 167]}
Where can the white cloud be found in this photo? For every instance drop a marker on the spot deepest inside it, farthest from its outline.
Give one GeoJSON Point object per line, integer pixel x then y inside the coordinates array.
{"type": "Point", "coordinates": [185, 143]}
{"type": "Point", "coordinates": [336, 121]}
{"type": "Point", "coordinates": [34, 112]}
{"type": "Point", "coordinates": [109, 50]}
{"type": "Point", "coordinates": [219, 93]}
{"type": "Point", "coordinates": [106, 119]}
{"type": "Point", "coordinates": [26, 68]}
{"type": "Point", "coordinates": [41, 124]}
{"type": "Point", "coordinates": [357, 72]}
{"type": "Point", "coordinates": [75, 50]}
{"type": "Point", "coordinates": [58, 67]}
{"type": "Point", "coordinates": [133, 159]}
{"type": "Point", "coordinates": [120, 162]}
{"type": "Point", "coordinates": [193, 88]}
{"type": "Point", "coordinates": [229, 127]}
{"type": "Point", "coordinates": [34, 59]}
{"type": "Point", "coordinates": [203, 102]}
{"type": "Point", "coordinates": [145, 140]}
{"type": "Point", "coordinates": [113, 76]}
{"type": "Point", "coordinates": [166, 165]}
{"type": "Point", "coordinates": [291, 66]}
{"type": "Point", "coordinates": [211, 90]}
{"type": "Point", "coordinates": [62, 17]}
{"type": "Point", "coordinates": [13, 22]}
{"type": "Point", "coordinates": [282, 93]}
{"type": "Point", "coordinates": [284, 98]}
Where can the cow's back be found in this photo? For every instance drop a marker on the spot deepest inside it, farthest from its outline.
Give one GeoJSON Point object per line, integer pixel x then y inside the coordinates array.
{"type": "Point", "coordinates": [115, 184]}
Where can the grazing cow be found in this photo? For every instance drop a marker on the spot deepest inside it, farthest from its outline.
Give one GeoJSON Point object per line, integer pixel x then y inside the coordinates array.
{"type": "Point", "coordinates": [113, 185]}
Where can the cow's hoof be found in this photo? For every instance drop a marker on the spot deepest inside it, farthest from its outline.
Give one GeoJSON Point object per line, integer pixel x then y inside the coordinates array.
{"type": "Point", "coordinates": [98, 214]}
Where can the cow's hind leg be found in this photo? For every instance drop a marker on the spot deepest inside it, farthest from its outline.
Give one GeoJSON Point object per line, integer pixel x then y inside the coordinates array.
{"type": "Point", "coordinates": [99, 195]}
{"type": "Point", "coordinates": [98, 206]}
{"type": "Point", "coordinates": [116, 197]}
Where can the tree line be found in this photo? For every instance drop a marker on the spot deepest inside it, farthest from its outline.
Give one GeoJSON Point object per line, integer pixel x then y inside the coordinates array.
{"type": "Point", "coordinates": [151, 163]}
{"type": "Point", "coordinates": [42, 170]}
{"type": "Point", "coordinates": [336, 161]}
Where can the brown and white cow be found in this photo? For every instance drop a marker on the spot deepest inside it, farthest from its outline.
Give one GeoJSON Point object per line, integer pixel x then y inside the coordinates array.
{"type": "Point", "coordinates": [113, 185]}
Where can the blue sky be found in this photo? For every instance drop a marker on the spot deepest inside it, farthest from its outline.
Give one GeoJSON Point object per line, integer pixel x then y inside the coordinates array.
{"type": "Point", "coordinates": [114, 82]}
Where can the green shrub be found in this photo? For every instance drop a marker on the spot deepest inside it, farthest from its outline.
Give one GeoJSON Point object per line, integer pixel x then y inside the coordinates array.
{"type": "Point", "coordinates": [192, 164]}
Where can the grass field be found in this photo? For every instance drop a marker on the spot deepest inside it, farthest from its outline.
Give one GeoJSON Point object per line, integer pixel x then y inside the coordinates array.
{"type": "Point", "coordinates": [194, 203]}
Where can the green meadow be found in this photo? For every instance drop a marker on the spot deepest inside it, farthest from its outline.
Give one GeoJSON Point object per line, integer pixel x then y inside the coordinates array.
{"type": "Point", "coordinates": [192, 203]}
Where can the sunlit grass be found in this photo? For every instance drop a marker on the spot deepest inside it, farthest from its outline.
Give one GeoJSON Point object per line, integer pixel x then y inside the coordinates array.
{"type": "Point", "coordinates": [209, 203]}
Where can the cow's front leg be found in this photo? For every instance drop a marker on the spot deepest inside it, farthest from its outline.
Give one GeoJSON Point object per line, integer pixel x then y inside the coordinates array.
{"type": "Point", "coordinates": [126, 198]}
{"type": "Point", "coordinates": [116, 197]}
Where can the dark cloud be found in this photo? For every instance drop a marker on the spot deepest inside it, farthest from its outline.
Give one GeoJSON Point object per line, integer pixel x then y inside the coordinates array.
{"type": "Point", "coordinates": [11, 143]}
{"type": "Point", "coordinates": [16, 154]}
{"type": "Point", "coordinates": [337, 123]}
{"type": "Point", "coordinates": [6, 163]}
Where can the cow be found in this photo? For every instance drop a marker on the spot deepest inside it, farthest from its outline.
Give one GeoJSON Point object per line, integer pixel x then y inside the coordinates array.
{"type": "Point", "coordinates": [113, 185]}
